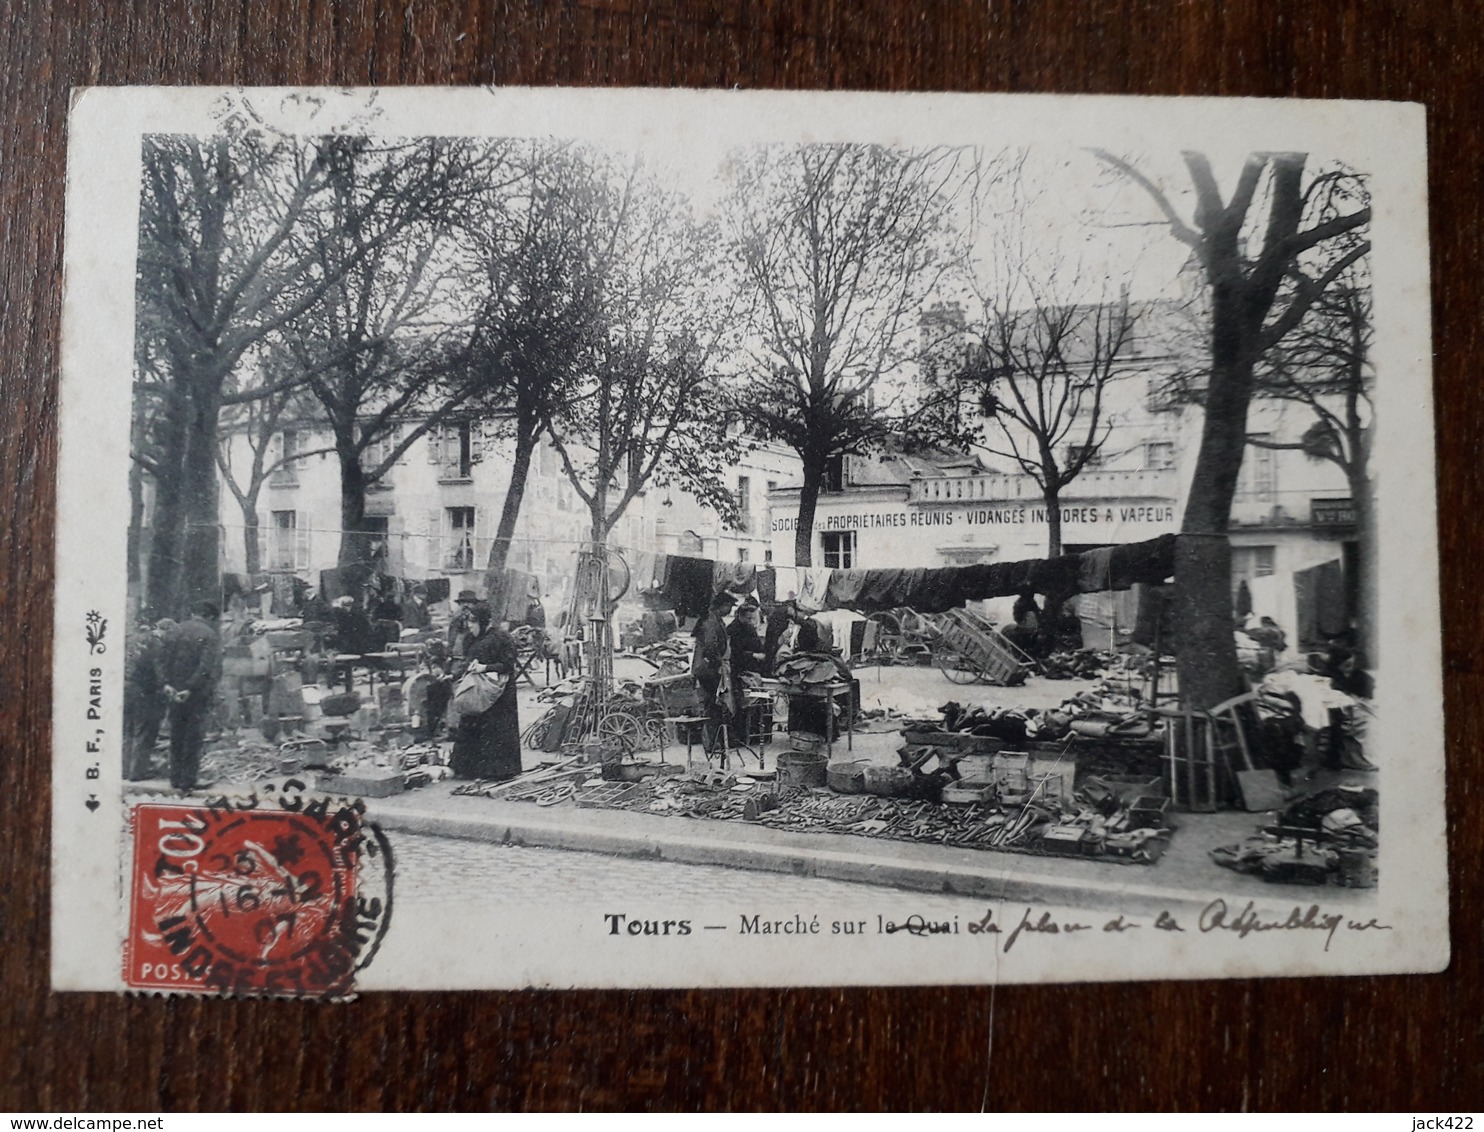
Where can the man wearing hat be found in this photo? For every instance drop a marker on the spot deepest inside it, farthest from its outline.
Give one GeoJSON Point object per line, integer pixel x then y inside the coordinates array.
{"type": "Point", "coordinates": [190, 668]}
{"type": "Point", "coordinates": [708, 664]}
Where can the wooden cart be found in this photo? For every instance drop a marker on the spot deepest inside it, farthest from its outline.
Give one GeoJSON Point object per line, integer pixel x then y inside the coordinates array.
{"type": "Point", "coordinates": [970, 650]}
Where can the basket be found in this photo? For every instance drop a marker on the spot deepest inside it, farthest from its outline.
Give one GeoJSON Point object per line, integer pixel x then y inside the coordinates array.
{"type": "Point", "coordinates": [847, 777]}
{"type": "Point", "coordinates": [800, 768]}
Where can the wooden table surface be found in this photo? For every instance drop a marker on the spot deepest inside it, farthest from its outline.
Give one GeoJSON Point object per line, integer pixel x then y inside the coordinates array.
{"type": "Point", "coordinates": [1395, 1043]}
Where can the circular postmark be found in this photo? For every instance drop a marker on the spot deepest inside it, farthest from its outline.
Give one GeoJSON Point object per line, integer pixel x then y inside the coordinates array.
{"type": "Point", "coordinates": [240, 899]}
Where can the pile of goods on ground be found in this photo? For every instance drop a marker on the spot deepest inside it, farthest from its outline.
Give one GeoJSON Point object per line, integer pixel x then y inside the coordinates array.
{"type": "Point", "coordinates": [1009, 801]}
{"type": "Point", "coordinates": [1329, 836]}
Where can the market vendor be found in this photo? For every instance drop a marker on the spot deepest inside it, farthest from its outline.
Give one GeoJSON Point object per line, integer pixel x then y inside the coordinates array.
{"type": "Point", "coordinates": [748, 654]}
{"type": "Point", "coordinates": [487, 746]}
{"type": "Point", "coordinates": [813, 663]}
{"type": "Point", "coordinates": [1025, 634]}
{"type": "Point", "coordinates": [709, 662]}
{"type": "Point", "coordinates": [350, 628]}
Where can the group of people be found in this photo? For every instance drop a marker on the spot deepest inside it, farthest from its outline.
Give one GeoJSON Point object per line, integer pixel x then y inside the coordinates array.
{"type": "Point", "coordinates": [174, 668]}
{"type": "Point", "coordinates": [730, 657]}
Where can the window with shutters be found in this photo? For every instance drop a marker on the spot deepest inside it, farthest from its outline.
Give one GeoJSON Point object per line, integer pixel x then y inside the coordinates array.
{"type": "Point", "coordinates": [288, 542]}
{"type": "Point", "coordinates": [455, 448]}
{"type": "Point", "coordinates": [744, 503]}
{"type": "Point", "coordinates": [834, 474]}
{"type": "Point", "coordinates": [458, 539]}
{"type": "Point", "coordinates": [284, 447]}
{"type": "Point", "coordinates": [1159, 455]}
{"type": "Point", "coordinates": [377, 453]}
{"type": "Point", "coordinates": [1258, 481]}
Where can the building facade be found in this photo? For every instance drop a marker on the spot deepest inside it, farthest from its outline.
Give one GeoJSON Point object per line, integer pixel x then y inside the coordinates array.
{"type": "Point", "coordinates": [1293, 534]}
{"type": "Point", "coordinates": [438, 509]}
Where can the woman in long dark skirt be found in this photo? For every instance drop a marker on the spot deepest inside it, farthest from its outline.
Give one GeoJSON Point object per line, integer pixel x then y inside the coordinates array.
{"type": "Point", "coordinates": [487, 745]}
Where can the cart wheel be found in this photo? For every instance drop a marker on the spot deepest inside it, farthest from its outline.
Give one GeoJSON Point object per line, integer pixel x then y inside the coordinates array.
{"type": "Point", "coordinates": [652, 735]}
{"type": "Point", "coordinates": [956, 666]}
{"type": "Point", "coordinates": [621, 728]}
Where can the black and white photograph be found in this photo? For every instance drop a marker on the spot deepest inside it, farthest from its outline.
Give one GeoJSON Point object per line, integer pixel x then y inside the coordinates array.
{"type": "Point", "coordinates": [573, 538]}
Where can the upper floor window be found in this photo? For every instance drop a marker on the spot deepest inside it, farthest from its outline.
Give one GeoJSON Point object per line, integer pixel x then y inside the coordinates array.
{"type": "Point", "coordinates": [1258, 481]}
{"type": "Point", "coordinates": [458, 530]}
{"type": "Point", "coordinates": [744, 503]}
{"type": "Point", "coordinates": [377, 453]}
{"type": "Point", "coordinates": [1159, 455]}
{"type": "Point", "coordinates": [286, 445]}
{"type": "Point", "coordinates": [1094, 455]}
{"type": "Point", "coordinates": [288, 546]}
{"type": "Point", "coordinates": [455, 448]}
{"type": "Point", "coordinates": [834, 474]}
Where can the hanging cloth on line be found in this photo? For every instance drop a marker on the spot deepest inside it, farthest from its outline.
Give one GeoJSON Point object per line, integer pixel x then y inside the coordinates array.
{"type": "Point", "coordinates": [786, 582]}
{"type": "Point", "coordinates": [733, 577]}
{"type": "Point", "coordinates": [815, 588]}
{"type": "Point", "coordinates": [1150, 562]}
{"type": "Point", "coordinates": [1094, 576]}
{"type": "Point", "coordinates": [688, 585]}
{"type": "Point", "coordinates": [844, 588]}
{"type": "Point", "coordinates": [767, 585]}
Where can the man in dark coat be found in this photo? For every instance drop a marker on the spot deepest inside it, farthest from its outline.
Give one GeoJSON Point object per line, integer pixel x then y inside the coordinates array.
{"type": "Point", "coordinates": [190, 668]}
{"type": "Point", "coordinates": [487, 745]}
{"type": "Point", "coordinates": [145, 705]}
{"type": "Point", "coordinates": [415, 611]}
{"type": "Point", "coordinates": [708, 662]}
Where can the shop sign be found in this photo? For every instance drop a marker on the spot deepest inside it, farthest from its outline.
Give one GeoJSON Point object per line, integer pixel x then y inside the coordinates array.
{"type": "Point", "coordinates": [1107, 514]}
{"type": "Point", "coordinates": [1332, 514]}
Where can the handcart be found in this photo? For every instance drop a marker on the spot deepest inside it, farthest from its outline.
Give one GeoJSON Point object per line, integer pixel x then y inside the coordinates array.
{"type": "Point", "coordinates": [970, 650]}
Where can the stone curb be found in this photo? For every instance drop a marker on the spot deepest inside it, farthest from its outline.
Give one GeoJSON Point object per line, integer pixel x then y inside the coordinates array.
{"type": "Point", "coordinates": [839, 857]}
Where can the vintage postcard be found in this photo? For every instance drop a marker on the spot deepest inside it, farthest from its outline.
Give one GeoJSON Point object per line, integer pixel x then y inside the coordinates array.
{"type": "Point", "coordinates": [638, 538]}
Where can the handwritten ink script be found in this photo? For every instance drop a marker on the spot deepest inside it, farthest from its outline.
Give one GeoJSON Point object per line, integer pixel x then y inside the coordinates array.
{"type": "Point", "coordinates": [1031, 923]}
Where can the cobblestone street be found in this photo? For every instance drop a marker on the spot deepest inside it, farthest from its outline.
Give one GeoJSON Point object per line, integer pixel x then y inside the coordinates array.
{"type": "Point", "coordinates": [434, 870]}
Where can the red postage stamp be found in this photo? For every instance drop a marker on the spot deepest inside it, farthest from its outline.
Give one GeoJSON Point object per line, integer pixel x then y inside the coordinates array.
{"type": "Point", "coordinates": [260, 901]}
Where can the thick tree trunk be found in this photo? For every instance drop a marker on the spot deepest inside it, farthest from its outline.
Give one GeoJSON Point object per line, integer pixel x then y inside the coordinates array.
{"type": "Point", "coordinates": [1053, 522]}
{"type": "Point", "coordinates": [808, 501]}
{"type": "Point", "coordinates": [355, 542]}
{"type": "Point", "coordinates": [200, 577]}
{"type": "Point", "coordinates": [252, 558]}
{"type": "Point", "coordinates": [520, 470]}
{"type": "Point", "coordinates": [1206, 657]}
{"type": "Point", "coordinates": [135, 538]}
{"type": "Point", "coordinates": [1364, 586]}
{"type": "Point", "coordinates": [167, 521]}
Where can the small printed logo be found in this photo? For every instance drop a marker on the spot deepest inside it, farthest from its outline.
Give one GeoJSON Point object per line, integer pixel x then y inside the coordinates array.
{"type": "Point", "coordinates": [97, 628]}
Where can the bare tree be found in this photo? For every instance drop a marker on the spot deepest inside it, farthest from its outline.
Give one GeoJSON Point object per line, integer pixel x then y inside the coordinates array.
{"type": "Point", "coordinates": [214, 216]}
{"type": "Point", "coordinates": [1044, 367]}
{"type": "Point", "coordinates": [534, 265]}
{"type": "Point", "coordinates": [839, 248]}
{"type": "Point", "coordinates": [217, 275]}
{"type": "Point", "coordinates": [1265, 267]}
{"type": "Point", "coordinates": [261, 425]}
{"type": "Point", "coordinates": [384, 346]}
{"type": "Point", "coordinates": [645, 411]}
